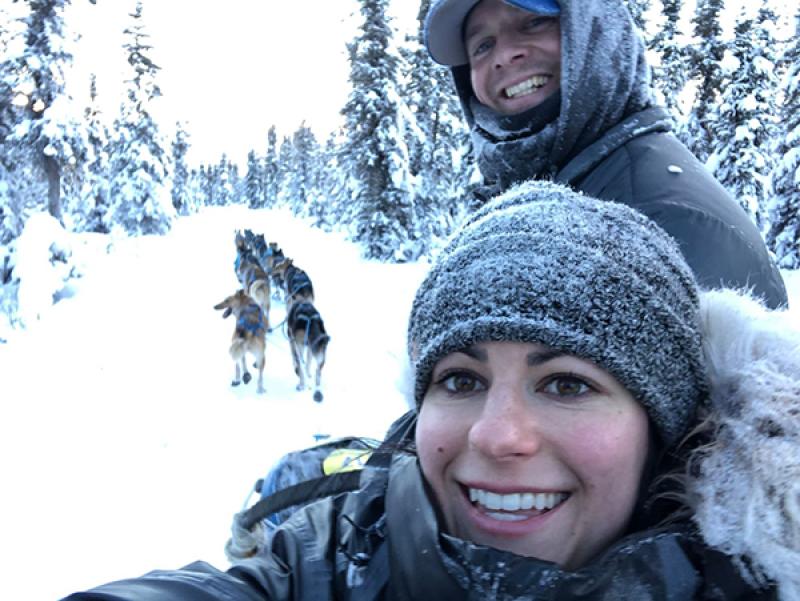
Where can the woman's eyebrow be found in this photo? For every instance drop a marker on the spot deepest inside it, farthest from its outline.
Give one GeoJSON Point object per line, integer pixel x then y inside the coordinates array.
{"type": "Point", "coordinates": [539, 357]}
{"type": "Point", "coordinates": [476, 353]}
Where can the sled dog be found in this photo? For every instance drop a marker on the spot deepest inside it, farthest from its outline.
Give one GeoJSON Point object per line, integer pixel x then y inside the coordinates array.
{"type": "Point", "coordinates": [308, 341]}
{"type": "Point", "coordinates": [249, 335]}
{"type": "Point", "coordinates": [254, 280]}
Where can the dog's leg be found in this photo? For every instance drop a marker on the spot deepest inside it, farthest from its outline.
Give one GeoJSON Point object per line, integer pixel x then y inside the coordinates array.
{"type": "Point", "coordinates": [236, 380]}
{"type": "Point", "coordinates": [298, 368]}
{"type": "Point", "coordinates": [260, 388]}
{"type": "Point", "coordinates": [246, 377]}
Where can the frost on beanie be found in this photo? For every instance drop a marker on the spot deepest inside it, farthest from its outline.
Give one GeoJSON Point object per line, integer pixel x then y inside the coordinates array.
{"type": "Point", "coordinates": [592, 278]}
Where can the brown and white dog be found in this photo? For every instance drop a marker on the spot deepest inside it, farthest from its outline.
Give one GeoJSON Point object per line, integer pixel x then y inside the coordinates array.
{"type": "Point", "coordinates": [254, 280]}
{"type": "Point", "coordinates": [249, 335]}
{"type": "Point", "coordinates": [308, 340]}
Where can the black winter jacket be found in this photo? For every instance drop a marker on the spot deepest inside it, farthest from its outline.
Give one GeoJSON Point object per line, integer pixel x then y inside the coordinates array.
{"type": "Point", "coordinates": [385, 545]}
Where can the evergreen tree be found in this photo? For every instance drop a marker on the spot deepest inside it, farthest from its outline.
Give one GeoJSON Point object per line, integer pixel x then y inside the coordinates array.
{"type": "Point", "coordinates": [440, 157]}
{"type": "Point", "coordinates": [670, 75]}
{"type": "Point", "coordinates": [271, 181]}
{"type": "Point", "coordinates": [375, 153]}
{"type": "Point", "coordinates": [284, 168]}
{"type": "Point", "coordinates": [180, 171]}
{"type": "Point", "coordinates": [705, 57]}
{"type": "Point", "coordinates": [90, 212]}
{"type": "Point", "coordinates": [329, 208]}
{"type": "Point", "coordinates": [138, 193]}
{"type": "Point", "coordinates": [16, 179]}
{"type": "Point", "coordinates": [784, 234]}
{"type": "Point", "coordinates": [224, 186]}
{"type": "Point", "coordinates": [254, 181]}
{"type": "Point", "coordinates": [300, 185]}
{"type": "Point", "coordinates": [206, 184]}
{"type": "Point", "coordinates": [44, 127]}
{"type": "Point", "coordinates": [747, 114]}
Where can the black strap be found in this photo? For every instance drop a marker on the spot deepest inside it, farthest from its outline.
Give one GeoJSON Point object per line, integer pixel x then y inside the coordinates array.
{"type": "Point", "coordinates": [303, 492]}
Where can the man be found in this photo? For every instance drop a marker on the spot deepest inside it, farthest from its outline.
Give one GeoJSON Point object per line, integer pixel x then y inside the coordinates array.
{"type": "Point", "coordinates": [561, 90]}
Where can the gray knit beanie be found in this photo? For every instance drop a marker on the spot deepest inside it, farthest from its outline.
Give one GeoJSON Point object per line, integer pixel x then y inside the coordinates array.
{"type": "Point", "coordinates": [596, 279]}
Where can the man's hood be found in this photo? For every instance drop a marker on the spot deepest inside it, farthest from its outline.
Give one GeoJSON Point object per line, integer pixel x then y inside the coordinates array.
{"type": "Point", "coordinates": [604, 79]}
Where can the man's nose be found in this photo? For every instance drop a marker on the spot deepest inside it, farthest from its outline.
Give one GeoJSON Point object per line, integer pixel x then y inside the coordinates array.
{"type": "Point", "coordinates": [507, 427]}
{"type": "Point", "coordinates": [508, 51]}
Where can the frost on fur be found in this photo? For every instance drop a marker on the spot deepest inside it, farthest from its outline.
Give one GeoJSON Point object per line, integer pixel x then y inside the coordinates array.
{"type": "Point", "coordinates": [746, 491]}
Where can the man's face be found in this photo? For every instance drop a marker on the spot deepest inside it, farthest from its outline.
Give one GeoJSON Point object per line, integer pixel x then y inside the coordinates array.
{"type": "Point", "coordinates": [514, 56]}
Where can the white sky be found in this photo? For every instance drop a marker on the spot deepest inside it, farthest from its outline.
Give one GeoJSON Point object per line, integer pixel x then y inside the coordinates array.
{"type": "Point", "coordinates": [232, 72]}
{"type": "Point", "coordinates": [232, 69]}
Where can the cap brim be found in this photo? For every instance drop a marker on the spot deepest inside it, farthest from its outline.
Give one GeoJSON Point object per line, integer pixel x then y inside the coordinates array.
{"type": "Point", "coordinates": [443, 31]}
{"type": "Point", "coordinates": [444, 26]}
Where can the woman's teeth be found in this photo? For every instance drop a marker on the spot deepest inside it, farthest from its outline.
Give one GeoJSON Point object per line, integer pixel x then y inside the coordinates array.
{"type": "Point", "coordinates": [527, 86]}
{"type": "Point", "coordinates": [515, 501]}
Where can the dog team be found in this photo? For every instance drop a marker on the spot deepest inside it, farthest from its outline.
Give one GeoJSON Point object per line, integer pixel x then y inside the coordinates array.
{"type": "Point", "coordinates": [264, 271]}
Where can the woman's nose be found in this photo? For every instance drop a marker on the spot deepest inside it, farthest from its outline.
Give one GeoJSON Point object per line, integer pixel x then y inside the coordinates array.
{"type": "Point", "coordinates": [507, 427]}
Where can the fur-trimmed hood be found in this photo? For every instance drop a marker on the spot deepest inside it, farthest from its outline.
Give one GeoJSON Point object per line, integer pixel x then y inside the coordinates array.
{"type": "Point", "coordinates": [744, 488]}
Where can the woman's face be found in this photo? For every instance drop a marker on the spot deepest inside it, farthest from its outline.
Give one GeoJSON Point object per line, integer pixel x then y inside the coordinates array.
{"type": "Point", "coordinates": [531, 451]}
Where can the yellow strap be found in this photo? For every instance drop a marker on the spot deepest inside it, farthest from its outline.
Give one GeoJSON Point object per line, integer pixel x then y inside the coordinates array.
{"type": "Point", "coordinates": [345, 460]}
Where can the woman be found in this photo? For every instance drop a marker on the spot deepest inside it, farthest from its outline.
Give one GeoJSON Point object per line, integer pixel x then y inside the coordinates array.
{"type": "Point", "coordinates": [561, 354]}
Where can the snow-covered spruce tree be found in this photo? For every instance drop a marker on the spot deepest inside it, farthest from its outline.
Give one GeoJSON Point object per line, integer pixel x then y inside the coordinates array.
{"type": "Point", "coordinates": [15, 160]}
{"type": "Point", "coordinates": [284, 161]}
{"type": "Point", "coordinates": [254, 181]}
{"type": "Point", "coordinates": [46, 127]}
{"type": "Point", "coordinates": [271, 181]}
{"type": "Point", "coordinates": [181, 201]}
{"type": "Point", "coordinates": [88, 207]}
{"type": "Point", "coordinates": [326, 210]}
{"type": "Point", "coordinates": [705, 56]}
{"type": "Point", "coordinates": [139, 193]}
{"type": "Point", "coordinates": [300, 185]}
{"type": "Point", "coordinates": [439, 153]}
{"type": "Point", "coordinates": [670, 75]}
{"type": "Point", "coordinates": [374, 154]}
{"type": "Point", "coordinates": [206, 184]}
{"type": "Point", "coordinates": [746, 118]}
{"type": "Point", "coordinates": [225, 182]}
{"type": "Point", "coordinates": [784, 208]}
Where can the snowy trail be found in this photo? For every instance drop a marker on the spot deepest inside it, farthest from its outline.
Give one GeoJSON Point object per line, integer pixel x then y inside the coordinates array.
{"type": "Point", "coordinates": [124, 448]}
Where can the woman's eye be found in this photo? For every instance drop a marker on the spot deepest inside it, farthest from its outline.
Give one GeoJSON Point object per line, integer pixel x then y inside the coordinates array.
{"type": "Point", "coordinates": [461, 383]}
{"type": "Point", "coordinates": [566, 386]}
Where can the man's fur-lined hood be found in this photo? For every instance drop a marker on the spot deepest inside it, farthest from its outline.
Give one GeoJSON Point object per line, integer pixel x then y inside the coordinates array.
{"type": "Point", "coordinates": [744, 490]}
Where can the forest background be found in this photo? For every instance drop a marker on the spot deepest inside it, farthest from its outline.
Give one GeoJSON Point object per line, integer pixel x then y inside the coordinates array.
{"type": "Point", "coordinates": [395, 173]}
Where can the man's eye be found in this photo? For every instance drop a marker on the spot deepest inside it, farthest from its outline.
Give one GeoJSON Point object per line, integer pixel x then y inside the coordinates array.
{"type": "Point", "coordinates": [537, 23]}
{"type": "Point", "coordinates": [461, 383]}
{"type": "Point", "coordinates": [566, 386]}
{"type": "Point", "coordinates": [481, 48]}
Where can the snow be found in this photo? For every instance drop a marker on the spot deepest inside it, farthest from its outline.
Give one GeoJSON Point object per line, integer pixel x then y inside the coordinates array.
{"type": "Point", "coordinates": [124, 446]}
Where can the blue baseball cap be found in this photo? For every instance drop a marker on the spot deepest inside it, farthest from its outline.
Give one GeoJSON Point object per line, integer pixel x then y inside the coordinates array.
{"type": "Point", "coordinates": [444, 26]}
